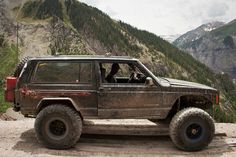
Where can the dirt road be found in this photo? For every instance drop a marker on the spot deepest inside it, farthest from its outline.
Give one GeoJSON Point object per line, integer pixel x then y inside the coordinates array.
{"type": "Point", "coordinates": [17, 138]}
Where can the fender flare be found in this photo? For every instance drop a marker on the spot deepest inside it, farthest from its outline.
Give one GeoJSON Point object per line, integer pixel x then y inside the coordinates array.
{"type": "Point", "coordinates": [40, 104]}
{"type": "Point", "coordinates": [204, 96]}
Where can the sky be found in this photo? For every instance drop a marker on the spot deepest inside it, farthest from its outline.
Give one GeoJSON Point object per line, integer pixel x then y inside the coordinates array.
{"type": "Point", "coordinates": [167, 17]}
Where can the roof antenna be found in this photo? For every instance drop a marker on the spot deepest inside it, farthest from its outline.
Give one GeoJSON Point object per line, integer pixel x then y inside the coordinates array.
{"type": "Point", "coordinates": [17, 32]}
{"type": "Point", "coordinates": [17, 42]}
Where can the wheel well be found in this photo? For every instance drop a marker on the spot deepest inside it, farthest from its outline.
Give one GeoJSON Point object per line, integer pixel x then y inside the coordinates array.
{"type": "Point", "coordinates": [46, 103]}
{"type": "Point", "coordinates": [190, 101]}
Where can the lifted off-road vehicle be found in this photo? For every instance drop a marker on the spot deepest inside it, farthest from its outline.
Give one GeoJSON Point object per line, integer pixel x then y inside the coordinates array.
{"type": "Point", "coordinates": [62, 91]}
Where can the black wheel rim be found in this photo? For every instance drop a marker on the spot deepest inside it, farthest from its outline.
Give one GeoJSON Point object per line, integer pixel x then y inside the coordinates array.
{"type": "Point", "coordinates": [194, 131]}
{"type": "Point", "coordinates": [57, 127]}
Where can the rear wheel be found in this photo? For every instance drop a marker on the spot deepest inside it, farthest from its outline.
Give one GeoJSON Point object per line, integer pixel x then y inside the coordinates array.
{"type": "Point", "coordinates": [58, 127]}
{"type": "Point", "coordinates": [192, 129]}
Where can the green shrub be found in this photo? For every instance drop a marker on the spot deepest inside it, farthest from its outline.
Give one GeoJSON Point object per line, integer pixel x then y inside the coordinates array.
{"type": "Point", "coordinates": [8, 60]}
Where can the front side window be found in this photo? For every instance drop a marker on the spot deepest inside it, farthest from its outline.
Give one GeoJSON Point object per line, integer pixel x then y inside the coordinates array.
{"type": "Point", "coordinates": [121, 73]}
{"type": "Point", "coordinates": [63, 72]}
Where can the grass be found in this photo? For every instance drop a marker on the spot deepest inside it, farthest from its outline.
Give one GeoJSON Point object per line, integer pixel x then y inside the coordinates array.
{"type": "Point", "coordinates": [8, 61]}
{"type": "Point", "coordinates": [3, 105]}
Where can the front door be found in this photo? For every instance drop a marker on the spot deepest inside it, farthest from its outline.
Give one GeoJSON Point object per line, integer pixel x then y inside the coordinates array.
{"type": "Point", "coordinates": [128, 99]}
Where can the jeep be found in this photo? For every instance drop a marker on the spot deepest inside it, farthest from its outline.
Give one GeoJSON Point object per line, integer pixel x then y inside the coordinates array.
{"type": "Point", "coordinates": [62, 91]}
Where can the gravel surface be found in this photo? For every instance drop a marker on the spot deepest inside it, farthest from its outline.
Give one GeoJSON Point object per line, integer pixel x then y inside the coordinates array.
{"type": "Point", "coordinates": [17, 138]}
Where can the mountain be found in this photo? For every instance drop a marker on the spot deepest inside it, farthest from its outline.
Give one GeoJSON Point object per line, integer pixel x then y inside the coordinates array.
{"type": "Point", "coordinates": [215, 48]}
{"type": "Point", "coordinates": [197, 33]}
{"type": "Point", "coordinates": [47, 27]}
{"type": "Point", "coordinates": [170, 38]}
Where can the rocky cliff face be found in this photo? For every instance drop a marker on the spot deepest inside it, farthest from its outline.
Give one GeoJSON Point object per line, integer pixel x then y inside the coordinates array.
{"type": "Point", "coordinates": [37, 37]}
{"type": "Point", "coordinates": [213, 47]}
{"type": "Point", "coordinates": [7, 27]}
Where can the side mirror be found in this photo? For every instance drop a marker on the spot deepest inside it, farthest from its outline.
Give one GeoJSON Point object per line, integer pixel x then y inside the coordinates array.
{"type": "Point", "coordinates": [149, 81]}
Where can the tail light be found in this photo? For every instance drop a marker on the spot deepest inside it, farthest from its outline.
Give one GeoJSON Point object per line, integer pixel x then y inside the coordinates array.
{"type": "Point", "coordinates": [10, 89]}
{"type": "Point", "coordinates": [217, 98]}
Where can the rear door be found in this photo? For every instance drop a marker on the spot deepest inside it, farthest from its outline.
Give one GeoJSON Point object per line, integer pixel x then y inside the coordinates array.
{"type": "Point", "coordinates": [62, 78]}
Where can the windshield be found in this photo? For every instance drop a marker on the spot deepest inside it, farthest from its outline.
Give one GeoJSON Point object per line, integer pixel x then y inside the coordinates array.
{"type": "Point", "coordinates": [160, 80]}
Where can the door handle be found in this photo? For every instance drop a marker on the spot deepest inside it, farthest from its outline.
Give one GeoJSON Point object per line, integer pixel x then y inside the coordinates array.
{"type": "Point", "coordinates": [104, 89]}
{"type": "Point", "coordinates": [101, 88]}
{"type": "Point", "coordinates": [107, 88]}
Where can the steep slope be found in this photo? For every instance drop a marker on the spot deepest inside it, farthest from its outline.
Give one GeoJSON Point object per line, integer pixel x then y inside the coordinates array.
{"type": "Point", "coordinates": [216, 48]}
{"type": "Point", "coordinates": [71, 27]}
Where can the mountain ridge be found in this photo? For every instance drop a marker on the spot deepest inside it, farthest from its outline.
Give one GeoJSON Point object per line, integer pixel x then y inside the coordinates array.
{"type": "Point", "coordinates": [215, 48]}
{"type": "Point", "coordinates": [196, 33]}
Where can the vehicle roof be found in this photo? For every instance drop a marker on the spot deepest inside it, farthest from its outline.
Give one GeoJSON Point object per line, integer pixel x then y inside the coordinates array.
{"type": "Point", "coordinates": [85, 57]}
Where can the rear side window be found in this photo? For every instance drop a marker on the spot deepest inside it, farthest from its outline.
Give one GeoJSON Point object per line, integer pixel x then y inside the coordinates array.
{"type": "Point", "coordinates": [63, 72]}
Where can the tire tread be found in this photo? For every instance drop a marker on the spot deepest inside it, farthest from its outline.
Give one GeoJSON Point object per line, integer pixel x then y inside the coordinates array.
{"type": "Point", "coordinates": [180, 118]}
{"type": "Point", "coordinates": [76, 122]}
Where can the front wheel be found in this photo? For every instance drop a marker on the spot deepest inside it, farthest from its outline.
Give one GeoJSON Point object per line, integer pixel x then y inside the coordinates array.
{"type": "Point", "coordinates": [192, 129]}
{"type": "Point", "coordinates": [58, 126]}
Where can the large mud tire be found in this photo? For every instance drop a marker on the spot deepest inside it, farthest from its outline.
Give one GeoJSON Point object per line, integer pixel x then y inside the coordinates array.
{"type": "Point", "coordinates": [20, 66]}
{"type": "Point", "coordinates": [192, 129]}
{"type": "Point", "coordinates": [58, 127]}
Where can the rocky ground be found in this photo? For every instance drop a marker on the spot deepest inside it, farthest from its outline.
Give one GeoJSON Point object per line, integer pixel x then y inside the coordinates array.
{"type": "Point", "coordinates": [17, 138]}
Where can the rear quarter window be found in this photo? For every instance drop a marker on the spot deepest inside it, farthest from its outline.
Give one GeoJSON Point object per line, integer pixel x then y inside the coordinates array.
{"type": "Point", "coordinates": [62, 72]}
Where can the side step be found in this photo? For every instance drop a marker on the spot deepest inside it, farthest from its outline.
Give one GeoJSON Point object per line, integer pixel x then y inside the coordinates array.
{"type": "Point", "coordinates": [141, 127]}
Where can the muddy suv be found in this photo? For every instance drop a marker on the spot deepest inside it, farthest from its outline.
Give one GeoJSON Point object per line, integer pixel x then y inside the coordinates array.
{"type": "Point", "coordinates": [61, 91]}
